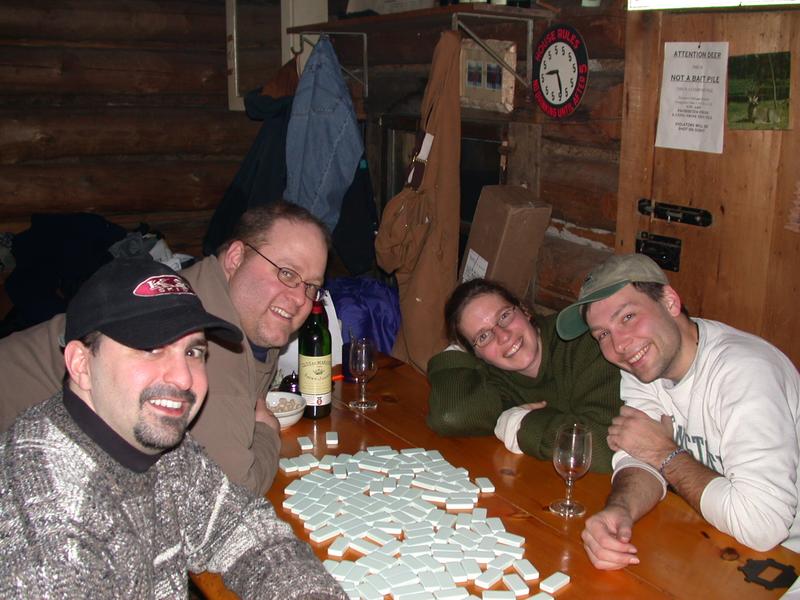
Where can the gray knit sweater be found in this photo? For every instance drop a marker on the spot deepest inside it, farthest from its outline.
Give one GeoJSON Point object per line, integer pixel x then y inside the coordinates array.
{"type": "Point", "coordinates": [83, 514]}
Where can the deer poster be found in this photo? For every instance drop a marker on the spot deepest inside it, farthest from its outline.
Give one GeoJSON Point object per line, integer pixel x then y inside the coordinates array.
{"type": "Point", "coordinates": [759, 88]}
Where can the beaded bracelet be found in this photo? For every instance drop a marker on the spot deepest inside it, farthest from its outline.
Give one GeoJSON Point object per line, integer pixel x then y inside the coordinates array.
{"type": "Point", "coordinates": [669, 458]}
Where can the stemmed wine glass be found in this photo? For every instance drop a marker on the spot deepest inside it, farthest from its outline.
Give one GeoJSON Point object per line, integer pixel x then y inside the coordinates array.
{"type": "Point", "coordinates": [362, 367]}
{"type": "Point", "coordinates": [572, 456]}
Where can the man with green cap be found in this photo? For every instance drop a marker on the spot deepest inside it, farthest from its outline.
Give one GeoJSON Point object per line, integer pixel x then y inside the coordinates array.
{"type": "Point", "coordinates": [710, 410]}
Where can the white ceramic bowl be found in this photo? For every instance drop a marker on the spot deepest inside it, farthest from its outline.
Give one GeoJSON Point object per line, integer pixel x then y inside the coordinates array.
{"type": "Point", "coordinates": [287, 407]}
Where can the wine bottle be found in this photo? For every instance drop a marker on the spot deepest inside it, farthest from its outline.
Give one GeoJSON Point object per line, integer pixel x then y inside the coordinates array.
{"type": "Point", "coordinates": [314, 363]}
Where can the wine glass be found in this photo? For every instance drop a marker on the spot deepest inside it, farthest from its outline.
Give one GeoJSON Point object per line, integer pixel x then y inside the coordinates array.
{"type": "Point", "coordinates": [572, 456]}
{"type": "Point", "coordinates": [362, 367]}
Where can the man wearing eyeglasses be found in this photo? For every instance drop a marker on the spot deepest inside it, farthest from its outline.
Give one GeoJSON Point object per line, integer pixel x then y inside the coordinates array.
{"type": "Point", "coordinates": [263, 279]}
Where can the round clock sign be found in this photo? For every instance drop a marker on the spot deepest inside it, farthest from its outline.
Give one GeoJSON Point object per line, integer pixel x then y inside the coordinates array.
{"type": "Point", "coordinates": [560, 71]}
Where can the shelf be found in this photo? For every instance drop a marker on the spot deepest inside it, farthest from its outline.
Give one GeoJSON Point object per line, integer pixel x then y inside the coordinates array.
{"type": "Point", "coordinates": [410, 37]}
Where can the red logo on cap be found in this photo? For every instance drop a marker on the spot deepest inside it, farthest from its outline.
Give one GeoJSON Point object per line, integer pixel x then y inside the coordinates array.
{"type": "Point", "coordinates": [161, 285]}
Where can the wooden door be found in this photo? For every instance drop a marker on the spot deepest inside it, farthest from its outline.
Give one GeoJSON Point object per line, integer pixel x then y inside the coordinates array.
{"type": "Point", "coordinates": [744, 269]}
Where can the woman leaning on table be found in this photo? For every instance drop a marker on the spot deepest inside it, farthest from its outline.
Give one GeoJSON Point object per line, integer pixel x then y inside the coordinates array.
{"type": "Point", "coordinates": [511, 375]}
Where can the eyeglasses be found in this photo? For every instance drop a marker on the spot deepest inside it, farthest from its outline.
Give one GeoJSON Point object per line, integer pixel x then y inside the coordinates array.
{"type": "Point", "coordinates": [487, 335]}
{"type": "Point", "coordinates": [291, 278]}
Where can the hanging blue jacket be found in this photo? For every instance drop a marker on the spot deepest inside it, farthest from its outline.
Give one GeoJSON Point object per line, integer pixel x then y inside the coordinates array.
{"type": "Point", "coordinates": [323, 140]}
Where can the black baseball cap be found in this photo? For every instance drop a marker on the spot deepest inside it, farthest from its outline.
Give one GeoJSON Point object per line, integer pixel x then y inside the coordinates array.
{"type": "Point", "coordinates": [142, 304]}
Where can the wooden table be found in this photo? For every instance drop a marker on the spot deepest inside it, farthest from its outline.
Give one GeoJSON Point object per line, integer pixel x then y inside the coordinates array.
{"type": "Point", "coordinates": [681, 555]}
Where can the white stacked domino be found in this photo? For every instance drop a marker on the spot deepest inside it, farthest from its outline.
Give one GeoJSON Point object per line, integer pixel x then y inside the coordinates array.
{"type": "Point", "coordinates": [554, 583]}
{"type": "Point", "coordinates": [364, 501]}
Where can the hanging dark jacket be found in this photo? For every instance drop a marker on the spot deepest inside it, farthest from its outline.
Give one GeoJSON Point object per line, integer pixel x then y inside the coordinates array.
{"type": "Point", "coordinates": [262, 176]}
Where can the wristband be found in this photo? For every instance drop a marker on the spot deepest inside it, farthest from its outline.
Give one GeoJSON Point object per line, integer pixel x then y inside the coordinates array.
{"type": "Point", "coordinates": [669, 458]}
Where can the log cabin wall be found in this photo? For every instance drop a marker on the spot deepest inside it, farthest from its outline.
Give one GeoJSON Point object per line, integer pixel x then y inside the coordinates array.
{"type": "Point", "coordinates": [576, 160]}
{"type": "Point", "coordinates": [120, 107]}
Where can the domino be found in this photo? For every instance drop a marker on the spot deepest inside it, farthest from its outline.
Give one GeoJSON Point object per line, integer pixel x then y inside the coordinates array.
{"type": "Point", "coordinates": [479, 515]}
{"type": "Point", "coordinates": [495, 524]}
{"type": "Point", "coordinates": [498, 595]}
{"type": "Point", "coordinates": [554, 583]}
{"type": "Point", "coordinates": [341, 570]}
{"type": "Point", "coordinates": [500, 562]}
{"type": "Point", "coordinates": [429, 581]}
{"type": "Point", "coordinates": [325, 533]}
{"type": "Point", "coordinates": [377, 581]}
{"type": "Point", "coordinates": [509, 539]}
{"type": "Point", "coordinates": [485, 485]}
{"type": "Point", "coordinates": [390, 549]}
{"type": "Point", "coordinates": [488, 578]}
{"type": "Point", "coordinates": [459, 503]}
{"type": "Point", "coordinates": [431, 565]}
{"type": "Point", "coordinates": [329, 564]}
{"type": "Point", "coordinates": [471, 568]}
{"type": "Point", "coordinates": [413, 563]}
{"type": "Point", "coordinates": [515, 552]}
{"type": "Point", "coordinates": [356, 574]}
{"type": "Point", "coordinates": [305, 443]}
{"type": "Point", "coordinates": [515, 584]}
{"type": "Point", "coordinates": [399, 576]}
{"type": "Point", "coordinates": [417, 596]}
{"type": "Point", "coordinates": [541, 596]}
{"type": "Point", "coordinates": [380, 537]}
{"type": "Point", "coordinates": [525, 569]}
{"type": "Point", "coordinates": [363, 546]}
{"type": "Point", "coordinates": [456, 571]}
{"type": "Point", "coordinates": [448, 556]}
{"type": "Point", "coordinates": [367, 591]}
{"type": "Point", "coordinates": [331, 438]}
{"type": "Point", "coordinates": [338, 547]}
{"type": "Point", "coordinates": [287, 465]}
{"type": "Point", "coordinates": [482, 557]}
{"type": "Point", "coordinates": [444, 579]}
{"type": "Point", "coordinates": [451, 593]}
{"type": "Point", "coordinates": [376, 562]}
{"type": "Point", "coordinates": [404, 592]}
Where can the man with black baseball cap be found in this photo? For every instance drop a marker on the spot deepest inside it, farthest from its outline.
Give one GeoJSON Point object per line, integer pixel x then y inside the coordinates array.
{"type": "Point", "coordinates": [710, 410]}
{"type": "Point", "coordinates": [101, 492]}
{"type": "Point", "coordinates": [263, 279]}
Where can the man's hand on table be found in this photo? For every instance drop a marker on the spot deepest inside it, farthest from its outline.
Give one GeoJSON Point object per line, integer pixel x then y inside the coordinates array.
{"type": "Point", "coordinates": [607, 537]}
{"type": "Point", "coordinates": [264, 415]}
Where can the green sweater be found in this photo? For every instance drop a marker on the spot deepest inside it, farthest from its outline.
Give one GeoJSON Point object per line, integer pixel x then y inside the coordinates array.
{"type": "Point", "coordinates": [468, 395]}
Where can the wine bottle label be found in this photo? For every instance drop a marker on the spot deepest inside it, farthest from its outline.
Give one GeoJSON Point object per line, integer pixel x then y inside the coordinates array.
{"type": "Point", "coordinates": [315, 379]}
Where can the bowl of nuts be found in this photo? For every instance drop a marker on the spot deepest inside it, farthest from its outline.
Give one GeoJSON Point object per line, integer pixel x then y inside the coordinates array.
{"type": "Point", "coordinates": [287, 407]}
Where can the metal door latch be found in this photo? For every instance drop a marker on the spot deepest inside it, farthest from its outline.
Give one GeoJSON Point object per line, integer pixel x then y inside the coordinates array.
{"type": "Point", "coordinates": [674, 213]}
{"type": "Point", "coordinates": [666, 251]}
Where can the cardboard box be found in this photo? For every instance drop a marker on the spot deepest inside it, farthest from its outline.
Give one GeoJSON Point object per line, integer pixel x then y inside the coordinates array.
{"type": "Point", "coordinates": [506, 234]}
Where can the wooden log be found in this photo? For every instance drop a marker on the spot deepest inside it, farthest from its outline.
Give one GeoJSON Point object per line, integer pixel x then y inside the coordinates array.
{"type": "Point", "coordinates": [562, 267]}
{"type": "Point", "coordinates": [124, 21]}
{"type": "Point", "coordinates": [216, 99]}
{"type": "Point", "coordinates": [47, 135]}
{"type": "Point", "coordinates": [109, 72]}
{"type": "Point", "coordinates": [107, 187]}
{"type": "Point", "coordinates": [581, 190]}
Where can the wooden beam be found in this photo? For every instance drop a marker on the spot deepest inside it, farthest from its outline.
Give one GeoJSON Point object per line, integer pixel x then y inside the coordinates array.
{"type": "Point", "coordinates": [107, 187]}
{"type": "Point", "coordinates": [47, 135]}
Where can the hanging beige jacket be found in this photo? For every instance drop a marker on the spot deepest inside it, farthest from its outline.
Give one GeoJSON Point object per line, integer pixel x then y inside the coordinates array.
{"type": "Point", "coordinates": [418, 236]}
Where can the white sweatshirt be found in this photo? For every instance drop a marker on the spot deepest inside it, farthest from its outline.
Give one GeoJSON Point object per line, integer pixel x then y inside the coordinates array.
{"type": "Point", "coordinates": [736, 411]}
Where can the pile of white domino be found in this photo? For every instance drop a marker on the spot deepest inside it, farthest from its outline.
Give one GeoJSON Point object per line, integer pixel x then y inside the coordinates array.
{"type": "Point", "coordinates": [382, 504]}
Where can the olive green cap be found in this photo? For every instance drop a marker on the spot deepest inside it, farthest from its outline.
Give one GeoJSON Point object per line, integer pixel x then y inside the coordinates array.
{"type": "Point", "coordinates": [603, 281]}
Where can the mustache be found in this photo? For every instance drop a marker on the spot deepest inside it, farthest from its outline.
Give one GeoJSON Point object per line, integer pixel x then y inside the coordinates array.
{"type": "Point", "coordinates": [167, 391]}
